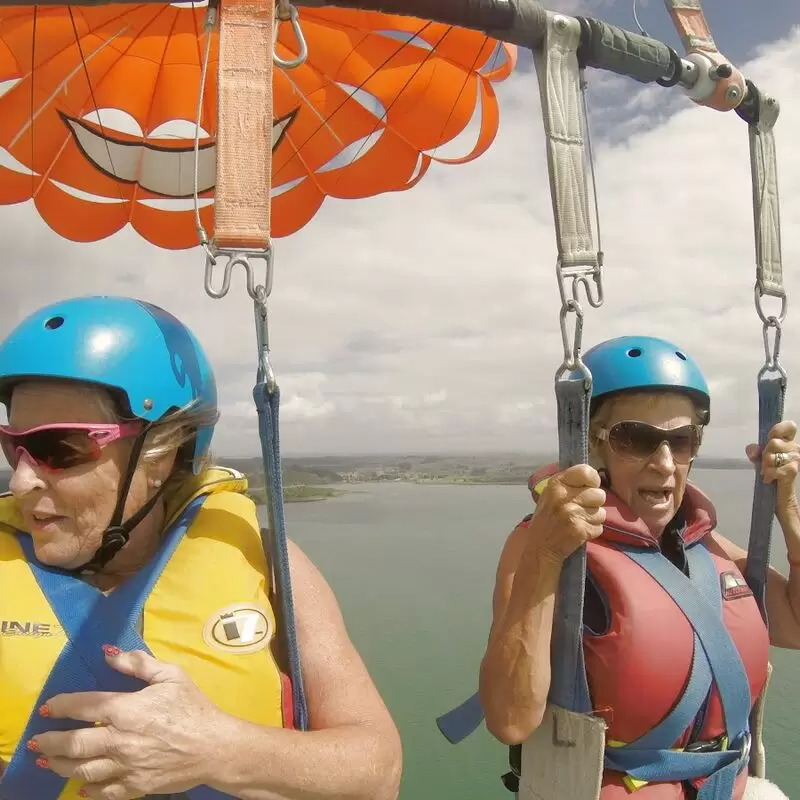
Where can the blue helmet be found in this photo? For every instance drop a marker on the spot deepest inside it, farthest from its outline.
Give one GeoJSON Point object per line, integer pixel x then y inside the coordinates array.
{"type": "Point", "coordinates": [642, 363]}
{"type": "Point", "coordinates": [143, 354]}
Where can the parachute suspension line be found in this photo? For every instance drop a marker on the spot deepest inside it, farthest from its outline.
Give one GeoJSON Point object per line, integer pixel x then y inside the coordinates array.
{"type": "Point", "coordinates": [384, 64]}
{"type": "Point", "coordinates": [772, 378]}
{"type": "Point", "coordinates": [209, 25]}
{"type": "Point", "coordinates": [85, 69]}
{"type": "Point", "coordinates": [642, 31]}
{"type": "Point", "coordinates": [242, 235]}
{"type": "Point", "coordinates": [598, 275]}
{"type": "Point", "coordinates": [33, 95]}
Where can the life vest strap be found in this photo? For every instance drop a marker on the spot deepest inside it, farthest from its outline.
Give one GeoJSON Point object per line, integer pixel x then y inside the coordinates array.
{"type": "Point", "coordinates": [90, 619]}
{"type": "Point", "coordinates": [704, 577]}
{"type": "Point", "coordinates": [650, 758]}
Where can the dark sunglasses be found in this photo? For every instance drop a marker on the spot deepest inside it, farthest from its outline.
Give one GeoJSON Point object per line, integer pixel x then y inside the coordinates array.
{"type": "Point", "coordinates": [639, 441]}
{"type": "Point", "coordinates": [63, 445]}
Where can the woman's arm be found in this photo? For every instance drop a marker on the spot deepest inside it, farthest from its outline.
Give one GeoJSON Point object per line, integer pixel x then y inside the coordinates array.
{"type": "Point", "coordinates": [515, 671]}
{"type": "Point", "coordinates": [783, 594]}
{"type": "Point", "coordinates": [353, 750]}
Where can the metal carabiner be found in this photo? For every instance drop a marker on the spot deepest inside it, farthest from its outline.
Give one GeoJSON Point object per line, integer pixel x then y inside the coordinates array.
{"type": "Point", "coordinates": [573, 360]}
{"type": "Point", "coordinates": [265, 371]}
{"type": "Point", "coordinates": [772, 354]}
{"type": "Point", "coordinates": [572, 345]}
{"type": "Point", "coordinates": [578, 275]}
{"type": "Point", "coordinates": [286, 12]}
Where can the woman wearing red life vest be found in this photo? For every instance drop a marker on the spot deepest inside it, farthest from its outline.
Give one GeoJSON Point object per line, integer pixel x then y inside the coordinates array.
{"type": "Point", "coordinates": [642, 520]}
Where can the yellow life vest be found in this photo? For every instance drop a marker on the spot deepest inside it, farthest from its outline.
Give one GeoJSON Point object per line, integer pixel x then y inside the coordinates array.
{"type": "Point", "coordinates": [209, 612]}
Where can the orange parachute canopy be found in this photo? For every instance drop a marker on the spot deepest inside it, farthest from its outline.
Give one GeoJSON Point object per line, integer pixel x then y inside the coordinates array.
{"type": "Point", "coordinates": [98, 112]}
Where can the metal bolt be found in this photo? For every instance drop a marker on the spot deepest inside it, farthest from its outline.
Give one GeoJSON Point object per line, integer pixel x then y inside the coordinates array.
{"type": "Point", "coordinates": [560, 23]}
{"type": "Point", "coordinates": [732, 93]}
{"type": "Point", "coordinates": [148, 404]}
{"type": "Point", "coordinates": [720, 71]}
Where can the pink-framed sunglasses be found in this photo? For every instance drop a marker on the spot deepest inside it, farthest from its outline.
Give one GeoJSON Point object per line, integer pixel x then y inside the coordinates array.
{"type": "Point", "coordinates": [63, 445]}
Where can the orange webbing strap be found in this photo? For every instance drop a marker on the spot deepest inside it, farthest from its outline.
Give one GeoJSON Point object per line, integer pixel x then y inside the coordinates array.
{"type": "Point", "coordinates": [687, 15]}
{"type": "Point", "coordinates": [726, 90]}
{"type": "Point", "coordinates": [244, 125]}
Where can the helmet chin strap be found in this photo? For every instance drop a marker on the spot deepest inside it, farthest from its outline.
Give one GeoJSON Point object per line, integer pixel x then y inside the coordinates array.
{"type": "Point", "coordinates": [118, 533]}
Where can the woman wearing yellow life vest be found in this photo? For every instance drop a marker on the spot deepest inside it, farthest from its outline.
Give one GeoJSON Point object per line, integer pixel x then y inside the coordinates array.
{"type": "Point", "coordinates": [675, 647]}
{"type": "Point", "coordinates": [135, 593]}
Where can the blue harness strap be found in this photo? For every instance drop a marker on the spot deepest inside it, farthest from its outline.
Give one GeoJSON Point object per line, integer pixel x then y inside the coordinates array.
{"type": "Point", "coordinates": [90, 619]}
{"type": "Point", "coordinates": [771, 395]}
{"type": "Point", "coordinates": [569, 687]}
{"type": "Point", "coordinates": [650, 757]}
{"type": "Point", "coordinates": [461, 721]}
{"type": "Point", "coordinates": [268, 405]}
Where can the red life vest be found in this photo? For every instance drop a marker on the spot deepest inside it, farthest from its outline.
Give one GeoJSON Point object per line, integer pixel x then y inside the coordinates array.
{"type": "Point", "coordinates": [638, 666]}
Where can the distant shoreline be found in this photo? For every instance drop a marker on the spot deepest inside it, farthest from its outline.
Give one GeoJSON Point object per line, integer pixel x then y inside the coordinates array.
{"type": "Point", "coordinates": [316, 479]}
{"type": "Point", "coordinates": [310, 480]}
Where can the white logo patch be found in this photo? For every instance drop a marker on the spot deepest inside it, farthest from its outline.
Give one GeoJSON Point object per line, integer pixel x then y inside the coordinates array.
{"type": "Point", "coordinates": [239, 628]}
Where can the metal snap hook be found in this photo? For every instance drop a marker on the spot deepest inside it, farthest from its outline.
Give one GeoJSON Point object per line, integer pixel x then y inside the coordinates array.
{"type": "Point", "coordinates": [286, 12]}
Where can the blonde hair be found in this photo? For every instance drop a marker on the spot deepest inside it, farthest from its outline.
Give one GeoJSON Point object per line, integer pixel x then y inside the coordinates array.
{"type": "Point", "coordinates": [602, 415]}
{"type": "Point", "coordinates": [175, 433]}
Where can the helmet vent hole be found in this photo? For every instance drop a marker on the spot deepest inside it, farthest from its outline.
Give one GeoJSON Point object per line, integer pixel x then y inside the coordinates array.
{"type": "Point", "coordinates": [680, 355]}
{"type": "Point", "coordinates": [634, 352]}
{"type": "Point", "coordinates": [54, 323]}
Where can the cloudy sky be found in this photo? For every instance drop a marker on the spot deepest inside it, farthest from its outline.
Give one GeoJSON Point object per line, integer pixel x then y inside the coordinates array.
{"type": "Point", "coordinates": [427, 321]}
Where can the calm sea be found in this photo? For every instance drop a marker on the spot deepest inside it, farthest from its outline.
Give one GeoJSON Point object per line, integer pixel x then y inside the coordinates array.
{"type": "Point", "coordinates": [413, 569]}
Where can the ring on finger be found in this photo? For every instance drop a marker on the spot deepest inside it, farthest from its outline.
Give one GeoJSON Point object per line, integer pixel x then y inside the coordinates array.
{"type": "Point", "coordinates": [780, 460]}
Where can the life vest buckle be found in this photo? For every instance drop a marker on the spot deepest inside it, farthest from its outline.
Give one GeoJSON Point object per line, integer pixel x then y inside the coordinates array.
{"type": "Point", "coordinates": [707, 746]}
{"type": "Point", "coordinates": [721, 743]}
{"type": "Point", "coordinates": [747, 743]}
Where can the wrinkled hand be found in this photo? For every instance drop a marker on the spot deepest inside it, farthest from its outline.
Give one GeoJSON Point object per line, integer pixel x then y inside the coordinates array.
{"type": "Point", "coordinates": [569, 512]}
{"type": "Point", "coordinates": [783, 471]}
{"type": "Point", "coordinates": [154, 741]}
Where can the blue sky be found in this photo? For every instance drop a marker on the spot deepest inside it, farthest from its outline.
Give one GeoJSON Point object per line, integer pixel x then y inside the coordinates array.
{"type": "Point", "coordinates": [428, 320]}
{"type": "Point", "coordinates": [738, 26]}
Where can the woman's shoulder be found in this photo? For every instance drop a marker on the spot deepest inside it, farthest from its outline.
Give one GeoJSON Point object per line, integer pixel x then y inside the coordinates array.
{"type": "Point", "coordinates": [721, 546]}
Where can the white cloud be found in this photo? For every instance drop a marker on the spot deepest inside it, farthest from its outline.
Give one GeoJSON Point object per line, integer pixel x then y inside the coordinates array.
{"type": "Point", "coordinates": [428, 320]}
{"type": "Point", "coordinates": [303, 398]}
